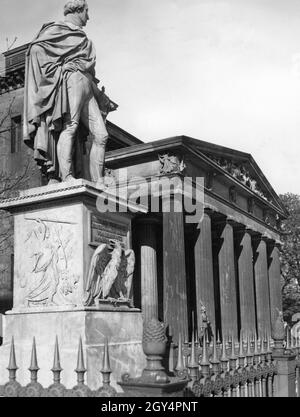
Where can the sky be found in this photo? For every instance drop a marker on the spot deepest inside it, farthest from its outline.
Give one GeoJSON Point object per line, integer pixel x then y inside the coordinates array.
{"type": "Point", "coordinates": [223, 71]}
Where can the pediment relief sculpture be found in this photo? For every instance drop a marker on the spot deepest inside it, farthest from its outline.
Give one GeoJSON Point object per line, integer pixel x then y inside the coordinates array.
{"type": "Point", "coordinates": [239, 172]}
{"type": "Point", "coordinates": [171, 164]}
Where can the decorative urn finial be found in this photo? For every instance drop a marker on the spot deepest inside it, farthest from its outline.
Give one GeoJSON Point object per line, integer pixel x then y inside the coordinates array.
{"type": "Point", "coordinates": [154, 347]}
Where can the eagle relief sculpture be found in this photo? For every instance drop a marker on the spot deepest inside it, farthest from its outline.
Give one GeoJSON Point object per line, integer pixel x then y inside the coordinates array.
{"type": "Point", "coordinates": [110, 274]}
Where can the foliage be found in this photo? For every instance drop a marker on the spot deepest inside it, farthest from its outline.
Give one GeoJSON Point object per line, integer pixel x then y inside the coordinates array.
{"type": "Point", "coordinates": [290, 256]}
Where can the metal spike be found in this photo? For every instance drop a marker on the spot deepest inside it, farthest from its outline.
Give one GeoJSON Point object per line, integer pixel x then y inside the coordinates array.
{"type": "Point", "coordinates": [269, 350]}
{"type": "Point", "coordinates": [223, 354]}
{"type": "Point", "coordinates": [179, 365]}
{"type": "Point", "coordinates": [196, 338]}
{"type": "Point", "coordinates": [215, 358]}
{"type": "Point", "coordinates": [218, 339]}
{"type": "Point", "coordinates": [204, 359]}
{"type": "Point", "coordinates": [80, 368]}
{"type": "Point", "coordinates": [232, 348]}
{"type": "Point", "coordinates": [192, 361]}
{"type": "Point", "coordinates": [56, 369]}
{"type": "Point", "coordinates": [241, 347]}
{"type": "Point", "coordinates": [34, 368]}
{"type": "Point", "coordinates": [255, 345]}
{"type": "Point", "coordinates": [106, 369]}
{"type": "Point", "coordinates": [12, 366]}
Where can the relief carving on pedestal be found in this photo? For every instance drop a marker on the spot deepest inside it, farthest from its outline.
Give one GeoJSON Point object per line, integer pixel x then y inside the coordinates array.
{"type": "Point", "coordinates": [171, 164]}
{"type": "Point", "coordinates": [110, 274]}
{"type": "Point", "coordinates": [50, 280]}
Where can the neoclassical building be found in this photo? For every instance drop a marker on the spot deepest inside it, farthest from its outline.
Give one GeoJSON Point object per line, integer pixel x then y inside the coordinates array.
{"type": "Point", "coordinates": [225, 266]}
{"type": "Point", "coordinates": [222, 267]}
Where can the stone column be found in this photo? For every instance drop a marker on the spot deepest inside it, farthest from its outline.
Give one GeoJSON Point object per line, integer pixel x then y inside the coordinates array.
{"type": "Point", "coordinates": [227, 278]}
{"type": "Point", "coordinates": [204, 270]}
{"type": "Point", "coordinates": [246, 281]}
{"type": "Point", "coordinates": [175, 293]}
{"type": "Point", "coordinates": [274, 281]}
{"type": "Point", "coordinates": [148, 262]}
{"type": "Point", "coordinates": [262, 285]}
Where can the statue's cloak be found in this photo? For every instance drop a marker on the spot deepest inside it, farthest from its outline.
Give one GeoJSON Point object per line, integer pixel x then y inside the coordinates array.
{"type": "Point", "coordinates": [45, 95]}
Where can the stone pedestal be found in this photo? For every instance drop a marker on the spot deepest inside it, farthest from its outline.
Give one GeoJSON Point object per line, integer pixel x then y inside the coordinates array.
{"type": "Point", "coordinates": [122, 328]}
{"type": "Point", "coordinates": [57, 229]}
{"type": "Point", "coordinates": [285, 380]}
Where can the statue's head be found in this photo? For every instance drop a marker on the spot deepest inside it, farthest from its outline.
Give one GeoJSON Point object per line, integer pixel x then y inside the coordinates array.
{"type": "Point", "coordinates": [78, 7]}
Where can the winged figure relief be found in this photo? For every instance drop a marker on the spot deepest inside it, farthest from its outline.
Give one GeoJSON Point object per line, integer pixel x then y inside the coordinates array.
{"type": "Point", "coordinates": [110, 273]}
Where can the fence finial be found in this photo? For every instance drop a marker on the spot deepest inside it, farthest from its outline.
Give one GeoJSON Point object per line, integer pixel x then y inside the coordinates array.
{"type": "Point", "coordinates": [255, 345]}
{"type": "Point", "coordinates": [218, 338]}
{"type": "Point", "coordinates": [223, 354]}
{"type": "Point", "coordinates": [204, 359]}
{"type": "Point", "coordinates": [56, 369]}
{"type": "Point", "coordinates": [215, 359]}
{"type": "Point", "coordinates": [192, 360]}
{"type": "Point", "coordinates": [179, 366]}
{"type": "Point", "coordinates": [12, 366]}
{"type": "Point", "coordinates": [241, 346]}
{"type": "Point", "coordinates": [232, 348]}
{"type": "Point", "coordinates": [106, 369]}
{"type": "Point", "coordinates": [80, 368]}
{"type": "Point", "coordinates": [34, 368]}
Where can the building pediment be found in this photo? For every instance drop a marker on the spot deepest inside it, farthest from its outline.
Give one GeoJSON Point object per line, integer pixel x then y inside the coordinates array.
{"type": "Point", "coordinates": [231, 177]}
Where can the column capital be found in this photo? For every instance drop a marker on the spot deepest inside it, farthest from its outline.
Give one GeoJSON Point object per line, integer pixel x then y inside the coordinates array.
{"type": "Point", "coordinates": [210, 210]}
{"type": "Point", "coordinates": [222, 220]}
{"type": "Point", "coordinates": [275, 243]}
{"type": "Point", "coordinates": [258, 237]}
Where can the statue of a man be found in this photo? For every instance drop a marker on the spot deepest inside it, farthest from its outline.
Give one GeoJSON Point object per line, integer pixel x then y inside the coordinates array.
{"type": "Point", "coordinates": [62, 103]}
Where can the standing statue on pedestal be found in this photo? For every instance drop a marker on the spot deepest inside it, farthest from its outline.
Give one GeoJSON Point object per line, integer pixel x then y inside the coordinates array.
{"type": "Point", "coordinates": [62, 103]}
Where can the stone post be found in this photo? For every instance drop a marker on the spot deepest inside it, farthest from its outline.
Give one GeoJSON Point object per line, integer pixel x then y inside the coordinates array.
{"type": "Point", "coordinates": [246, 283]}
{"type": "Point", "coordinates": [148, 242]}
{"type": "Point", "coordinates": [285, 359]}
{"type": "Point", "coordinates": [262, 285]}
{"type": "Point", "coordinates": [204, 270]}
{"type": "Point", "coordinates": [175, 292]}
{"type": "Point", "coordinates": [285, 379]}
{"type": "Point", "coordinates": [227, 279]}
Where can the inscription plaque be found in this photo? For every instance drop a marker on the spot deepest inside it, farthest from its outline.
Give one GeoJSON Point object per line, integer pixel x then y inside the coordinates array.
{"type": "Point", "coordinates": [102, 230]}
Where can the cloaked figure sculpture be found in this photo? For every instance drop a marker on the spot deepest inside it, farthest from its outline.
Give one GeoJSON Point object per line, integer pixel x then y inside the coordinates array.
{"type": "Point", "coordinates": [110, 274]}
{"type": "Point", "coordinates": [62, 103]}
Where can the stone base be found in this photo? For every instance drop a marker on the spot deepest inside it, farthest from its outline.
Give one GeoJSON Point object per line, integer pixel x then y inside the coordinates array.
{"type": "Point", "coordinates": [123, 329]}
{"type": "Point", "coordinates": [138, 388]}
